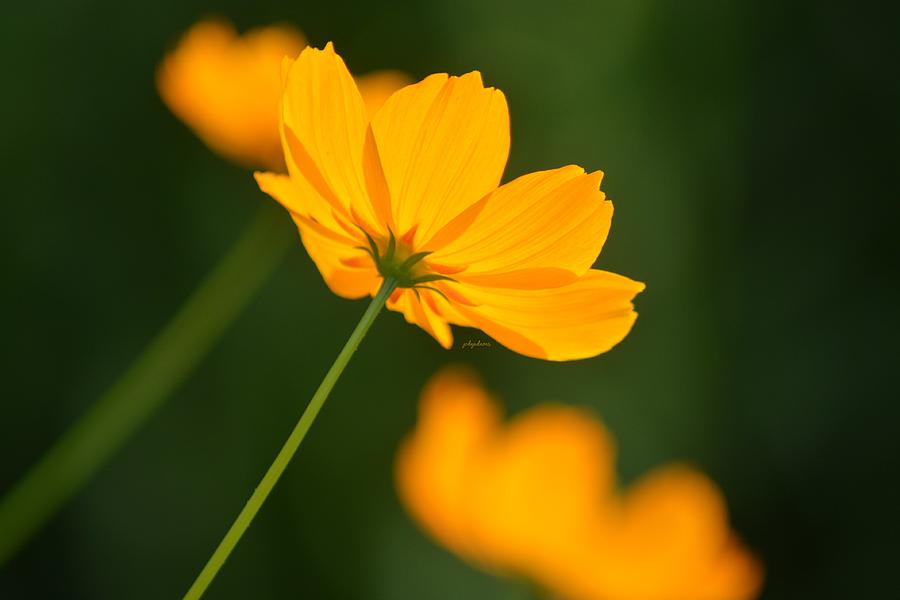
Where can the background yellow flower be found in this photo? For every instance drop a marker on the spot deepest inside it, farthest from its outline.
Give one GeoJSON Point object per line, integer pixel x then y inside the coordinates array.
{"type": "Point", "coordinates": [537, 498]}
{"type": "Point", "coordinates": [227, 87]}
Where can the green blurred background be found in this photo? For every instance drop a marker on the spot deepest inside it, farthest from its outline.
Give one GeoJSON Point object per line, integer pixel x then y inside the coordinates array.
{"type": "Point", "coordinates": [751, 149]}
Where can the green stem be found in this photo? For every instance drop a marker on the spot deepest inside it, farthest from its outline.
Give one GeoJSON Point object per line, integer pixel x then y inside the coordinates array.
{"type": "Point", "coordinates": [158, 370]}
{"type": "Point", "coordinates": [287, 451]}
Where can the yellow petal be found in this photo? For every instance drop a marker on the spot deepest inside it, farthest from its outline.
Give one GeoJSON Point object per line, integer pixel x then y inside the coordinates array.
{"type": "Point", "coordinates": [443, 144]}
{"type": "Point", "coordinates": [669, 539]}
{"type": "Point", "coordinates": [679, 506]}
{"type": "Point", "coordinates": [544, 229]}
{"type": "Point", "coordinates": [421, 310]}
{"type": "Point", "coordinates": [227, 88]}
{"type": "Point", "coordinates": [327, 138]}
{"type": "Point", "coordinates": [376, 87]}
{"type": "Point", "coordinates": [537, 485]}
{"type": "Point", "coordinates": [676, 533]}
{"type": "Point", "coordinates": [579, 320]}
{"type": "Point", "coordinates": [456, 417]}
{"type": "Point", "coordinates": [328, 245]}
{"type": "Point", "coordinates": [734, 575]}
{"type": "Point", "coordinates": [332, 259]}
{"type": "Point", "coordinates": [445, 307]}
{"type": "Point", "coordinates": [301, 200]}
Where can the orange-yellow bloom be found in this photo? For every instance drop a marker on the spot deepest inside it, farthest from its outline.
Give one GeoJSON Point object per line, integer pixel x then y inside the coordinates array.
{"type": "Point", "coordinates": [227, 88]}
{"type": "Point", "coordinates": [411, 192]}
{"type": "Point", "coordinates": [537, 498]}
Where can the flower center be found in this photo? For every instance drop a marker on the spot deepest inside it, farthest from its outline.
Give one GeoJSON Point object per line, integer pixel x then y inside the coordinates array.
{"type": "Point", "coordinates": [400, 263]}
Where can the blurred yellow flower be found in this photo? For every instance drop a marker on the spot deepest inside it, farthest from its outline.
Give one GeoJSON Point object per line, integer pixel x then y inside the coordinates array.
{"type": "Point", "coordinates": [411, 193]}
{"type": "Point", "coordinates": [537, 498]}
{"type": "Point", "coordinates": [227, 87]}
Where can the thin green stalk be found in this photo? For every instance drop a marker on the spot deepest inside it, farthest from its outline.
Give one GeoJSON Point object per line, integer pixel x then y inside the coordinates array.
{"type": "Point", "coordinates": [160, 368]}
{"type": "Point", "coordinates": [287, 451]}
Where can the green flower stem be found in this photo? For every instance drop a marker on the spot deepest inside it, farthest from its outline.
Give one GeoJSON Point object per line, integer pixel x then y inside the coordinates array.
{"type": "Point", "coordinates": [287, 451]}
{"type": "Point", "coordinates": [160, 368]}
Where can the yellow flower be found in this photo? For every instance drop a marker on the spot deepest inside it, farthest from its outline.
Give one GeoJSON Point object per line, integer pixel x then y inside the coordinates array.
{"type": "Point", "coordinates": [227, 88]}
{"type": "Point", "coordinates": [537, 498]}
{"type": "Point", "coordinates": [412, 193]}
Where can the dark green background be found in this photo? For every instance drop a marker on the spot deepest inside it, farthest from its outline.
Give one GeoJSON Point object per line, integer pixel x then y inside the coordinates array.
{"type": "Point", "coordinates": [751, 149]}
